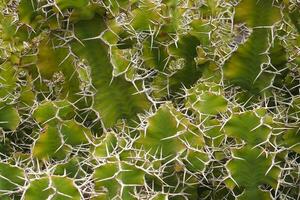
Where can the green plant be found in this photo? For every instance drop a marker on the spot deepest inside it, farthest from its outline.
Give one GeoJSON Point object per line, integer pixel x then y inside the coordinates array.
{"type": "Point", "coordinates": [152, 99]}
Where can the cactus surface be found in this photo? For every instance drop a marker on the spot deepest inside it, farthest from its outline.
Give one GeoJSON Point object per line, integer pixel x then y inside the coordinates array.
{"type": "Point", "coordinates": [150, 99]}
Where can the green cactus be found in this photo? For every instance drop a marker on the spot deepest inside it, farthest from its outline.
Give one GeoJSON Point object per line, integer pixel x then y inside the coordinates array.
{"type": "Point", "coordinates": [149, 99]}
{"type": "Point", "coordinates": [55, 186]}
{"type": "Point", "coordinates": [249, 169]}
{"type": "Point", "coordinates": [11, 179]}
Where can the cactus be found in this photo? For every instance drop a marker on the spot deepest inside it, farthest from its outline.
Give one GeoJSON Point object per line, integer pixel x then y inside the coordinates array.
{"type": "Point", "coordinates": [152, 99]}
